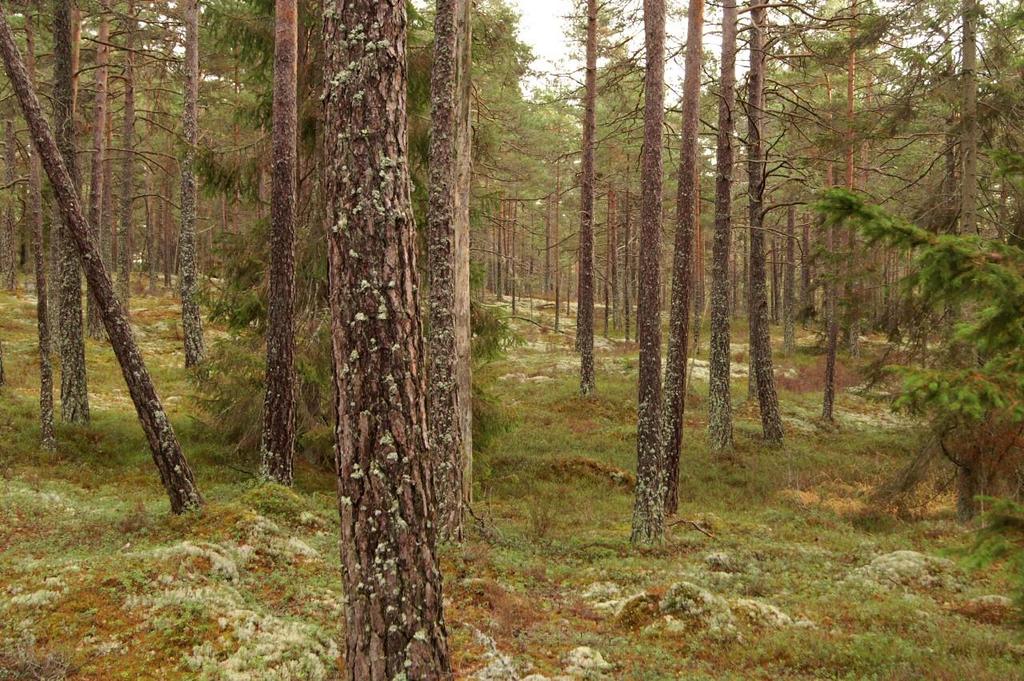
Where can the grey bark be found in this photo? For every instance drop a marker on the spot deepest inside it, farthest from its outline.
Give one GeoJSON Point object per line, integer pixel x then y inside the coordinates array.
{"type": "Point", "coordinates": [789, 285]}
{"type": "Point", "coordinates": [97, 167]}
{"type": "Point", "coordinates": [719, 359]}
{"type": "Point", "coordinates": [191, 319]}
{"type": "Point", "coordinates": [585, 300]}
{"type": "Point", "coordinates": [649, 505]}
{"type": "Point", "coordinates": [8, 236]}
{"type": "Point", "coordinates": [683, 258]}
{"type": "Point", "coordinates": [127, 182]}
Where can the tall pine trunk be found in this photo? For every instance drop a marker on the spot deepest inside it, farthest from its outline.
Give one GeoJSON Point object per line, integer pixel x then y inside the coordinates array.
{"type": "Point", "coordinates": [719, 360]}
{"type": "Point", "coordinates": [393, 609]}
{"type": "Point", "coordinates": [8, 235]}
{"type": "Point", "coordinates": [175, 472]}
{"type": "Point", "coordinates": [585, 300]}
{"type": "Point", "coordinates": [124, 259]}
{"type": "Point", "coordinates": [74, 392]}
{"type": "Point", "coordinates": [97, 165]}
{"type": "Point", "coordinates": [191, 319]}
{"type": "Point", "coordinates": [683, 257]}
{"type": "Point", "coordinates": [277, 446]}
{"type": "Point", "coordinates": [789, 285]}
{"type": "Point", "coordinates": [649, 504]}
{"type": "Point", "coordinates": [762, 371]}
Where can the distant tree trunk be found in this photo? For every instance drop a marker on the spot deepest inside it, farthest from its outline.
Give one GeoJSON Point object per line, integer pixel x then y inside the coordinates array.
{"type": "Point", "coordinates": [613, 260]}
{"type": "Point", "coordinates": [849, 294]}
{"type": "Point", "coordinates": [48, 438]}
{"type": "Point", "coordinates": [393, 609]}
{"type": "Point", "coordinates": [556, 239]}
{"type": "Point", "coordinates": [627, 267]}
{"type": "Point", "coordinates": [649, 506]}
{"type": "Point", "coordinates": [682, 264]}
{"type": "Point", "coordinates": [191, 320]}
{"type": "Point", "coordinates": [166, 231]}
{"type": "Point", "coordinates": [806, 292]}
{"type": "Point", "coordinates": [8, 237]}
{"type": "Point", "coordinates": [124, 260]}
{"type": "Point", "coordinates": [445, 435]}
{"type": "Point", "coordinates": [789, 285]}
{"type": "Point", "coordinates": [97, 165]}
{"type": "Point", "coordinates": [152, 211]}
{"type": "Point", "coordinates": [277, 446]}
{"type": "Point", "coordinates": [585, 302]}
{"type": "Point", "coordinates": [719, 359]}
{"type": "Point", "coordinates": [174, 470]}
{"type": "Point", "coordinates": [74, 392]}
{"type": "Point", "coordinates": [831, 313]}
{"type": "Point", "coordinates": [761, 349]}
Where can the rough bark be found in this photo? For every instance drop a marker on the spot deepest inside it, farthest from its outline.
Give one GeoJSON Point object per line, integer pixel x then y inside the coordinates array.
{"type": "Point", "coordinates": [8, 236]}
{"type": "Point", "coordinates": [627, 267]}
{"type": "Point", "coordinates": [719, 359]}
{"type": "Point", "coordinates": [97, 165]}
{"type": "Point", "coordinates": [393, 610]}
{"type": "Point", "coordinates": [47, 433]}
{"type": "Point", "coordinates": [175, 472]}
{"type": "Point", "coordinates": [831, 313]}
{"type": "Point", "coordinates": [683, 257]}
{"type": "Point", "coordinates": [585, 300]}
{"type": "Point", "coordinates": [127, 182]}
{"type": "Point", "coordinates": [277, 446]}
{"type": "Point", "coordinates": [74, 393]}
{"type": "Point", "coordinates": [191, 319]}
{"type": "Point", "coordinates": [649, 505]}
{"type": "Point", "coordinates": [760, 349]}
{"type": "Point", "coordinates": [445, 434]}
{"type": "Point", "coordinates": [789, 285]}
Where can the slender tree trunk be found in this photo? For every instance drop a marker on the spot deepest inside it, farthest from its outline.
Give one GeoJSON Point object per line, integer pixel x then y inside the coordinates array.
{"type": "Point", "coordinates": [627, 267]}
{"type": "Point", "coordinates": [175, 472]}
{"type": "Point", "coordinates": [167, 235]}
{"type": "Point", "coordinates": [8, 235]}
{"type": "Point", "coordinates": [806, 292]}
{"type": "Point", "coordinates": [393, 609]}
{"type": "Point", "coordinates": [682, 265]}
{"type": "Point", "coordinates": [97, 165]}
{"type": "Point", "coordinates": [442, 385]}
{"type": "Point", "coordinates": [124, 260]}
{"type": "Point", "coordinates": [74, 392]}
{"type": "Point", "coordinates": [649, 506]}
{"type": "Point", "coordinates": [556, 239]}
{"type": "Point", "coordinates": [613, 260]}
{"type": "Point", "coordinates": [789, 285]}
{"type": "Point", "coordinates": [831, 313]}
{"type": "Point", "coordinates": [152, 211]}
{"type": "Point", "coordinates": [48, 438]}
{"type": "Point", "coordinates": [719, 359]}
{"type": "Point", "coordinates": [852, 306]}
{"type": "Point", "coordinates": [761, 349]}
{"type": "Point", "coordinates": [191, 319]}
{"type": "Point", "coordinates": [585, 302]}
{"type": "Point", "coordinates": [277, 446]}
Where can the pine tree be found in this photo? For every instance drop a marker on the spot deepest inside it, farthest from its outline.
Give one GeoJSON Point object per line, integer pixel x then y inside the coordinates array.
{"type": "Point", "coordinates": [191, 319]}
{"type": "Point", "coordinates": [585, 300]}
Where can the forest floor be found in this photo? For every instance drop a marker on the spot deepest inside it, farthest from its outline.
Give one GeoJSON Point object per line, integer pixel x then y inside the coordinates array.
{"type": "Point", "coordinates": [778, 565]}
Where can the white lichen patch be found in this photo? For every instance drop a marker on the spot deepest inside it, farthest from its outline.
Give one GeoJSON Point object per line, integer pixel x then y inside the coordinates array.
{"type": "Point", "coordinates": [907, 569]}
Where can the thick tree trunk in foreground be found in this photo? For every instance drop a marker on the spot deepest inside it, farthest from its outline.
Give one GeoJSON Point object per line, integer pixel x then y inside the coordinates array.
{"type": "Point", "coordinates": [97, 166]}
{"type": "Point", "coordinates": [585, 296]}
{"type": "Point", "coordinates": [74, 392]}
{"type": "Point", "coordinates": [649, 505]}
{"type": "Point", "coordinates": [442, 380]}
{"type": "Point", "coordinates": [124, 253]}
{"type": "Point", "coordinates": [393, 609]}
{"type": "Point", "coordinates": [48, 438]}
{"type": "Point", "coordinates": [761, 349]}
{"type": "Point", "coordinates": [191, 319]}
{"type": "Point", "coordinates": [719, 359]}
{"type": "Point", "coordinates": [175, 472]}
{"type": "Point", "coordinates": [277, 446]}
{"type": "Point", "coordinates": [683, 257]}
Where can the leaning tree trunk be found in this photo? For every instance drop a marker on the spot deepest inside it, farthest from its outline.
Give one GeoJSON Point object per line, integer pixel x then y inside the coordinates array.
{"type": "Point", "coordinates": [649, 504]}
{"type": "Point", "coordinates": [175, 472]}
{"type": "Point", "coordinates": [48, 438]}
{"type": "Point", "coordinates": [191, 320]}
{"type": "Point", "coordinates": [124, 260]}
{"type": "Point", "coordinates": [683, 257]}
{"type": "Point", "coordinates": [97, 164]}
{"type": "Point", "coordinates": [393, 609]}
{"type": "Point", "coordinates": [719, 394]}
{"type": "Point", "coordinates": [585, 295]}
{"type": "Point", "coordinates": [74, 392]}
{"type": "Point", "coordinates": [761, 349]}
{"type": "Point", "coordinates": [442, 381]}
{"type": "Point", "coordinates": [278, 439]}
